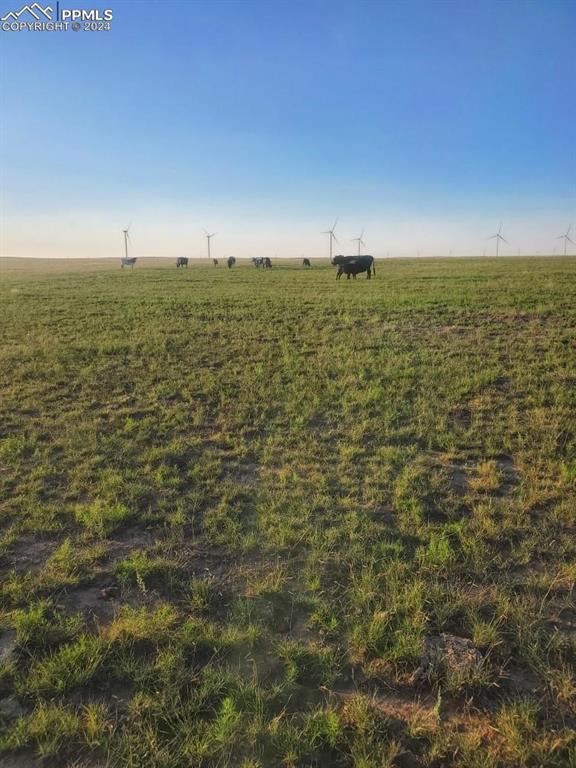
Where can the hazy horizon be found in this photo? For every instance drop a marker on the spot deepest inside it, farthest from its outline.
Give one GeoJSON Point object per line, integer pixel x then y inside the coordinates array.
{"type": "Point", "coordinates": [424, 237]}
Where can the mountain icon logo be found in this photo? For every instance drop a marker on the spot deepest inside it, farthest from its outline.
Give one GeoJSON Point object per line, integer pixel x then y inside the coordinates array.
{"type": "Point", "coordinates": [34, 10]}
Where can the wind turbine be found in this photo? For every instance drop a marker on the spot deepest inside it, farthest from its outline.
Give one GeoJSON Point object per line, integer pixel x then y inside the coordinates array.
{"type": "Point", "coordinates": [208, 237]}
{"type": "Point", "coordinates": [126, 238]}
{"type": "Point", "coordinates": [566, 237]}
{"type": "Point", "coordinates": [359, 241]}
{"type": "Point", "coordinates": [332, 236]}
{"type": "Point", "coordinates": [498, 237]}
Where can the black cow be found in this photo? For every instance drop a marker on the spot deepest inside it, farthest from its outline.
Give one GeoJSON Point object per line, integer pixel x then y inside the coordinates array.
{"type": "Point", "coordinates": [182, 261]}
{"type": "Point", "coordinates": [215, 262]}
{"type": "Point", "coordinates": [354, 265]}
{"type": "Point", "coordinates": [258, 262]}
{"type": "Point", "coordinates": [306, 263]}
{"type": "Point", "coordinates": [231, 261]}
{"type": "Point", "coordinates": [266, 263]}
{"type": "Point", "coordinates": [128, 262]}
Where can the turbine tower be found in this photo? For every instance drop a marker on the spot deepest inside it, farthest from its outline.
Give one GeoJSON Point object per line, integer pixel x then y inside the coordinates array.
{"type": "Point", "coordinates": [208, 237]}
{"type": "Point", "coordinates": [566, 237]}
{"type": "Point", "coordinates": [333, 237]}
{"type": "Point", "coordinates": [498, 237]}
{"type": "Point", "coordinates": [359, 241]}
{"type": "Point", "coordinates": [126, 238]}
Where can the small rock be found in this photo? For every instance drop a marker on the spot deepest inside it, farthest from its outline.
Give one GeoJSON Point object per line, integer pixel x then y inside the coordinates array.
{"type": "Point", "coordinates": [109, 593]}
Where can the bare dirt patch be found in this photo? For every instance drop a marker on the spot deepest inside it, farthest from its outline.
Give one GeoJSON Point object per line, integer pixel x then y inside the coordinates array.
{"type": "Point", "coordinates": [458, 655]}
{"type": "Point", "coordinates": [29, 553]}
{"type": "Point", "coordinates": [7, 644]}
{"type": "Point", "coordinates": [521, 681]}
{"type": "Point", "coordinates": [244, 472]}
{"type": "Point", "coordinates": [461, 417]}
{"type": "Point", "coordinates": [21, 760]}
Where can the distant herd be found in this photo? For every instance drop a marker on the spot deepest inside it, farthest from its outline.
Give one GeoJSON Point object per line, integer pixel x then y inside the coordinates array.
{"type": "Point", "coordinates": [347, 265]}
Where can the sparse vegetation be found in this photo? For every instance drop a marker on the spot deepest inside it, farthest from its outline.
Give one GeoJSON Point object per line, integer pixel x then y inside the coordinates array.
{"type": "Point", "coordinates": [263, 519]}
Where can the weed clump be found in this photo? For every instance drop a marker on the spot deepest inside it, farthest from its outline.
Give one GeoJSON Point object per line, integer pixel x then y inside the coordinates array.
{"type": "Point", "coordinates": [100, 517]}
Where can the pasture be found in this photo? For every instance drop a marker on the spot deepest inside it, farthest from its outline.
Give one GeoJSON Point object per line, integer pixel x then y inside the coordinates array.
{"type": "Point", "coordinates": [261, 518]}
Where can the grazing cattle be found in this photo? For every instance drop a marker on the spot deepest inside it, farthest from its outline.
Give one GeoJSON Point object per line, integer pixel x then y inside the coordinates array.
{"type": "Point", "coordinates": [306, 263]}
{"type": "Point", "coordinates": [215, 262]}
{"type": "Point", "coordinates": [231, 261]}
{"type": "Point", "coordinates": [258, 262]}
{"type": "Point", "coordinates": [182, 261]}
{"type": "Point", "coordinates": [266, 263]}
{"type": "Point", "coordinates": [354, 265]}
{"type": "Point", "coordinates": [128, 262]}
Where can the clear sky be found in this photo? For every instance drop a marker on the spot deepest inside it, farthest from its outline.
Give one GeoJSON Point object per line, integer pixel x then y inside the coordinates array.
{"type": "Point", "coordinates": [424, 122]}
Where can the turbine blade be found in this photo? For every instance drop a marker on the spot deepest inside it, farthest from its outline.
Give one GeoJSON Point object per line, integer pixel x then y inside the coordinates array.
{"type": "Point", "coordinates": [504, 241]}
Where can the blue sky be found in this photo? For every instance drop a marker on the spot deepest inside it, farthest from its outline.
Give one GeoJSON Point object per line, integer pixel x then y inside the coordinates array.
{"type": "Point", "coordinates": [424, 122]}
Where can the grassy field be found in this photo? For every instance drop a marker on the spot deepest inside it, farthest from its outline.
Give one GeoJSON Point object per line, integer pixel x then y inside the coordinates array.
{"type": "Point", "coordinates": [266, 519]}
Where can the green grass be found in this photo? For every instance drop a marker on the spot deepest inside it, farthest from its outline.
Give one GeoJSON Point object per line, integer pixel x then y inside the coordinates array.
{"type": "Point", "coordinates": [288, 484]}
